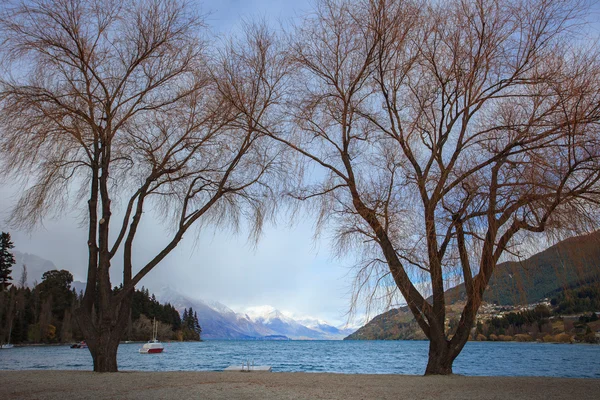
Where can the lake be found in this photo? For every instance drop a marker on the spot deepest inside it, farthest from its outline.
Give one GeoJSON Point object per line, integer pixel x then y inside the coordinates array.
{"type": "Point", "coordinates": [356, 357]}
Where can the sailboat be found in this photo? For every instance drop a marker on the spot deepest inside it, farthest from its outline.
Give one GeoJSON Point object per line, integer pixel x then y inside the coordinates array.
{"type": "Point", "coordinates": [153, 346]}
{"type": "Point", "coordinates": [8, 345]}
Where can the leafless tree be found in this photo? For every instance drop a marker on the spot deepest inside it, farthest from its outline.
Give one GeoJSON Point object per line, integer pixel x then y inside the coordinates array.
{"type": "Point", "coordinates": [118, 102]}
{"type": "Point", "coordinates": [497, 127]}
{"type": "Point", "coordinates": [445, 132]}
{"type": "Point", "coordinates": [23, 279]}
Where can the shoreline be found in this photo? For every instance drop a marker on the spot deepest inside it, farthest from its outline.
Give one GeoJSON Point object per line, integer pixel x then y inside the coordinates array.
{"type": "Point", "coordinates": [306, 340]}
{"type": "Point", "coordinates": [122, 342]}
{"type": "Point", "coordinates": [61, 384]}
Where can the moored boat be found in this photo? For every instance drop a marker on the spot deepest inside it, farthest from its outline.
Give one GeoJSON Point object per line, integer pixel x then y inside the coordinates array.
{"type": "Point", "coordinates": [153, 346]}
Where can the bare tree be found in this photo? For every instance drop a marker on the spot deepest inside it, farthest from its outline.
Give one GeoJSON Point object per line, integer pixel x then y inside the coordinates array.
{"type": "Point", "coordinates": [497, 128]}
{"type": "Point", "coordinates": [117, 101]}
{"type": "Point", "coordinates": [23, 279]}
{"type": "Point", "coordinates": [445, 133]}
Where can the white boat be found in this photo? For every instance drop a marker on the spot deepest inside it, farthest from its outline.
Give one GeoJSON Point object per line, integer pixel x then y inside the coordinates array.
{"type": "Point", "coordinates": [153, 346]}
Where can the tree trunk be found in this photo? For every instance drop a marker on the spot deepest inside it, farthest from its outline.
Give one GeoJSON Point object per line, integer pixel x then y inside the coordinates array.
{"type": "Point", "coordinates": [104, 354]}
{"type": "Point", "coordinates": [440, 357]}
{"type": "Point", "coordinates": [103, 335]}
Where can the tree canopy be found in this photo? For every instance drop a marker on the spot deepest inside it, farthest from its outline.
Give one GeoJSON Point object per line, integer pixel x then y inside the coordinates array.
{"type": "Point", "coordinates": [438, 137]}
{"type": "Point", "coordinates": [434, 138]}
{"type": "Point", "coordinates": [120, 102]}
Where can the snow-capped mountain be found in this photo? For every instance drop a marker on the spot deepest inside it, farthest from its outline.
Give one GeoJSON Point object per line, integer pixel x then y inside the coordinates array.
{"type": "Point", "coordinates": [325, 328]}
{"type": "Point", "coordinates": [276, 321]}
{"type": "Point", "coordinates": [298, 328]}
{"type": "Point", "coordinates": [220, 322]}
{"type": "Point", "coordinates": [217, 320]}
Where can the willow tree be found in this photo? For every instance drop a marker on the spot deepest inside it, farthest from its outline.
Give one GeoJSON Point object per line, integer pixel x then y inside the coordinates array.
{"type": "Point", "coordinates": [442, 134]}
{"type": "Point", "coordinates": [116, 102]}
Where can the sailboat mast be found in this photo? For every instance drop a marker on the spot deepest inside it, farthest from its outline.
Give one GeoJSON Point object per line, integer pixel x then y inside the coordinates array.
{"type": "Point", "coordinates": [10, 330]}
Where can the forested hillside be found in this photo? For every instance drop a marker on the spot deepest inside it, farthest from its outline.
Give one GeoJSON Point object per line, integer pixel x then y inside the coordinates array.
{"type": "Point", "coordinates": [568, 264]}
{"type": "Point", "coordinates": [44, 314]}
{"type": "Point", "coordinates": [568, 273]}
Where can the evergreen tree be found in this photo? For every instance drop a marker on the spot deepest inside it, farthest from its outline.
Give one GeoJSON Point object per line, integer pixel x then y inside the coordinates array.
{"type": "Point", "coordinates": [7, 260]}
{"type": "Point", "coordinates": [197, 327]}
{"type": "Point", "coordinates": [57, 286]}
{"type": "Point", "coordinates": [184, 319]}
{"type": "Point", "coordinates": [44, 313]}
{"type": "Point", "coordinates": [190, 321]}
{"type": "Point", "coordinates": [176, 320]}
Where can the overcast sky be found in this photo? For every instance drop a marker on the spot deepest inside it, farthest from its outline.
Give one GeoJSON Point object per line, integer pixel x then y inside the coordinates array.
{"type": "Point", "coordinates": [288, 269]}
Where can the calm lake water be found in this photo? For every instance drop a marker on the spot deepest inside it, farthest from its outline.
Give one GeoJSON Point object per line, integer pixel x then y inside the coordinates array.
{"type": "Point", "coordinates": [360, 357]}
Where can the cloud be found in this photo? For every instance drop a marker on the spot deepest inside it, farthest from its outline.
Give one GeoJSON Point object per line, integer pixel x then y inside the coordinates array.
{"type": "Point", "coordinates": [287, 270]}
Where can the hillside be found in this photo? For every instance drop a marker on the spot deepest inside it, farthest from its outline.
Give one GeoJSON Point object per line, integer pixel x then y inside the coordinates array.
{"type": "Point", "coordinates": [44, 314]}
{"type": "Point", "coordinates": [396, 324]}
{"type": "Point", "coordinates": [568, 264]}
{"type": "Point", "coordinates": [36, 266]}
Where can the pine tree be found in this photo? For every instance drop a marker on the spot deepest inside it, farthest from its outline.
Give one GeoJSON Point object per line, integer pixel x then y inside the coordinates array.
{"type": "Point", "coordinates": [190, 321]}
{"type": "Point", "coordinates": [176, 319]}
{"type": "Point", "coordinates": [197, 327]}
{"type": "Point", "coordinates": [7, 260]}
{"type": "Point", "coordinates": [185, 317]}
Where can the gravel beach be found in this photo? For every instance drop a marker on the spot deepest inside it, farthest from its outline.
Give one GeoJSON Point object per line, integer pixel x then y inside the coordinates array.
{"type": "Point", "coordinates": [237, 385]}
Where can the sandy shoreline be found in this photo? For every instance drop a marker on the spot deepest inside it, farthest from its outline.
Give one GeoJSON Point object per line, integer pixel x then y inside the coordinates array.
{"type": "Point", "coordinates": [237, 385]}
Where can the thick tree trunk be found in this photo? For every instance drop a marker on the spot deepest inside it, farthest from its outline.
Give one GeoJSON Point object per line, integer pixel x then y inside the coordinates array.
{"type": "Point", "coordinates": [103, 345]}
{"type": "Point", "coordinates": [440, 357]}
{"type": "Point", "coordinates": [104, 354]}
{"type": "Point", "coordinates": [103, 335]}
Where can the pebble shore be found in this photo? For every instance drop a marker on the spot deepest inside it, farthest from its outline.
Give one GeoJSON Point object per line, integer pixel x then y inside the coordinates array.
{"type": "Point", "coordinates": [237, 385]}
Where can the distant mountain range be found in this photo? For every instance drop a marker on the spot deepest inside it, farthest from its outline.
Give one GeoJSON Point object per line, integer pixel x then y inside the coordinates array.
{"type": "Point", "coordinates": [217, 320]}
{"type": "Point", "coordinates": [220, 322]}
{"type": "Point", "coordinates": [36, 266]}
{"type": "Point", "coordinates": [568, 264]}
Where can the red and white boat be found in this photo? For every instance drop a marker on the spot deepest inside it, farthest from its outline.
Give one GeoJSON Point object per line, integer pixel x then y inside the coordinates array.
{"type": "Point", "coordinates": [153, 346]}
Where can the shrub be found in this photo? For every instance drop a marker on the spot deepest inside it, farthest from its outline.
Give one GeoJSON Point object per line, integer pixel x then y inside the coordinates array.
{"type": "Point", "coordinates": [548, 339]}
{"type": "Point", "coordinates": [523, 337]}
{"type": "Point", "coordinates": [563, 338]}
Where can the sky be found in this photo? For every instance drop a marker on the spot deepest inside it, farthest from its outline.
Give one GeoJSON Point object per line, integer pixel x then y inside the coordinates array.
{"type": "Point", "coordinates": [225, 15]}
{"type": "Point", "coordinates": [288, 269]}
